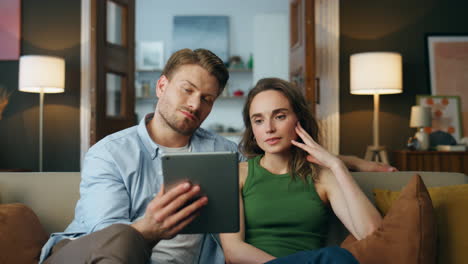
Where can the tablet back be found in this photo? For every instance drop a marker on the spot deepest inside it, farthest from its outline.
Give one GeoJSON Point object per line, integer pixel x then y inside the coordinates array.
{"type": "Point", "coordinates": [218, 176]}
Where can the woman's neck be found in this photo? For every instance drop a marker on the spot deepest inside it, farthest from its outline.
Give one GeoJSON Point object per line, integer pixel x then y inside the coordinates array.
{"type": "Point", "coordinates": [276, 163]}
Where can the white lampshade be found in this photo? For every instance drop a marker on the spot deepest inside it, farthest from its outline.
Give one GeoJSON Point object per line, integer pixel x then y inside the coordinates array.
{"type": "Point", "coordinates": [376, 73]}
{"type": "Point", "coordinates": [420, 116]}
{"type": "Point", "coordinates": [41, 74]}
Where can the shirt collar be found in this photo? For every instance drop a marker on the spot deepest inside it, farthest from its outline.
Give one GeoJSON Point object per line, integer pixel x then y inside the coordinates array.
{"type": "Point", "coordinates": [149, 144]}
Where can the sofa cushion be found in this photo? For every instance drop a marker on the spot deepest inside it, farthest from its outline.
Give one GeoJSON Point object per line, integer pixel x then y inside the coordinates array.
{"type": "Point", "coordinates": [451, 209]}
{"type": "Point", "coordinates": [407, 234]}
{"type": "Point", "coordinates": [21, 234]}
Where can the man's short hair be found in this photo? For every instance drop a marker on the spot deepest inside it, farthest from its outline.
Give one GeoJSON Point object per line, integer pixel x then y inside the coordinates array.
{"type": "Point", "coordinates": [202, 57]}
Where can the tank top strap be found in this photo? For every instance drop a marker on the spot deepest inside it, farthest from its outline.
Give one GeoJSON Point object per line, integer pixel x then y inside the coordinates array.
{"type": "Point", "coordinates": [249, 181]}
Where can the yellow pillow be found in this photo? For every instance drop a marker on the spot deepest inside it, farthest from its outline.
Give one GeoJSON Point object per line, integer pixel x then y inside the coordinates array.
{"type": "Point", "coordinates": [451, 209]}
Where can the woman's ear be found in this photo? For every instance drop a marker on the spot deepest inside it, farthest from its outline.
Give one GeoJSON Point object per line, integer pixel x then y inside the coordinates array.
{"type": "Point", "coordinates": [161, 85]}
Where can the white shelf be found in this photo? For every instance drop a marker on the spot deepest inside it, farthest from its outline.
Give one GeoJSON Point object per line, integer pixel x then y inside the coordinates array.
{"type": "Point", "coordinates": [240, 70]}
{"type": "Point", "coordinates": [232, 97]}
{"type": "Point", "coordinates": [159, 70]}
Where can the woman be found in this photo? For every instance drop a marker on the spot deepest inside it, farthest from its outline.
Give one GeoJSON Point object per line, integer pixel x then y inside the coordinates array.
{"type": "Point", "coordinates": [290, 182]}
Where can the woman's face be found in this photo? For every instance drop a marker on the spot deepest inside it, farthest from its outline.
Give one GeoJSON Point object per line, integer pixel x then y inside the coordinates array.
{"type": "Point", "coordinates": [273, 121]}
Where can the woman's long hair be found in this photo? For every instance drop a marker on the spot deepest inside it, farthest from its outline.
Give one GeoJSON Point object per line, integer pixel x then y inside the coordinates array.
{"type": "Point", "coordinates": [298, 165]}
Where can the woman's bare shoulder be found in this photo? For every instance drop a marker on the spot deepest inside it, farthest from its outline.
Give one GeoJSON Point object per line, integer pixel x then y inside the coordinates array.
{"type": "Point", "coordinates": [325, 181]}
{"type": "Point", "coordinates": [324, 173]}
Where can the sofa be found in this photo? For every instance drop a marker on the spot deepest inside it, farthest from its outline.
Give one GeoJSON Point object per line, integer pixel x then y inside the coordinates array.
{"type": "Point", "coordinates": [52, 195]}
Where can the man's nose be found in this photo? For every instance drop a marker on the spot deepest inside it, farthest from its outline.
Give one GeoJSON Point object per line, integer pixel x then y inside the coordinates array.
{"type": "Point", "coordinates": [194, 102]}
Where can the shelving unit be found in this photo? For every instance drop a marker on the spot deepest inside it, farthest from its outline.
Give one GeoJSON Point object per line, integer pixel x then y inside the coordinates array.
{"type": "Point", "coordinates": [232, 97]}
{"type": "Point", "coordinates": [146, 98]}
{"type": "Point", "coordinates": [246, 70]}
{"type": "Point", "coordinates": [225, 112]}
{"type": "Point", "coordinates": [158, 70]}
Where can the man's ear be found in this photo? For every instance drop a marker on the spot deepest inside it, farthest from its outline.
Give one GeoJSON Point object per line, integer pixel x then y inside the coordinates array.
{"type": "Point", "coordinates": [161, 85]}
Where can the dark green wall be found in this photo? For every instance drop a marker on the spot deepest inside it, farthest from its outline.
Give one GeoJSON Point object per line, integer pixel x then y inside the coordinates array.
{"type": "Point", "coordinates": [390, 25]}
{"type": "Point", "coordinates": [48, 27]}
{"type": "Point", "coordinates": [52, 27]}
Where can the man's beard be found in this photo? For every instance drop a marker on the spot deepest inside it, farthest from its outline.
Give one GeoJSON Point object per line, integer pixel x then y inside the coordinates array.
{"type": "Point", "coordinates": [172, 121]}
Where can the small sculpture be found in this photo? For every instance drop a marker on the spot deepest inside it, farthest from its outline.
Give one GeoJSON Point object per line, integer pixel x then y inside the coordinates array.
{"type": "Point", "coordinates": [4, 97]}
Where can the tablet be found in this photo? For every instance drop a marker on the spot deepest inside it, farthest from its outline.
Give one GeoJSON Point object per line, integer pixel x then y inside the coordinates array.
{"type": "Point", "coordinates": [218, 177]}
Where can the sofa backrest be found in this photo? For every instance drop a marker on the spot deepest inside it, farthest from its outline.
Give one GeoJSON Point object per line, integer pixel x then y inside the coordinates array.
{"type": "Point", "coordinates": [51, 195]}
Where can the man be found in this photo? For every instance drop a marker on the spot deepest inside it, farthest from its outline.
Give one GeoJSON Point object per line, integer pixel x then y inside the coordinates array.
{"type": "Point", "coordinates": [124, 215]}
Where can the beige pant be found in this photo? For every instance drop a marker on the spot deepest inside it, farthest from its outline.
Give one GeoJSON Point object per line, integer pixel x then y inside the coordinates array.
{"type": "Point", "coordinates": [118, 243]}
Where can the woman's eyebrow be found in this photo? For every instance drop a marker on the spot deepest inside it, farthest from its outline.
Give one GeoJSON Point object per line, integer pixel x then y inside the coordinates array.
{"type": "Point", "coordinates": [255, 115]}
{"type": "Point", "coordinates": [274, 112]}
{"type": "Point", "coordinates": [279, 110]}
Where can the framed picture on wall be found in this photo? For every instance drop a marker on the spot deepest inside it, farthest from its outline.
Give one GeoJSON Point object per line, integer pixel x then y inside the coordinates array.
{"type": "Point", "coordinates": [446, 114]}
{"type": "Point", "coordinates": [448, 67]}
{"type": "Point", "coordinates": [208, 32]}
{"type": "Point", "coordinates": [10, 29]}
{"type": "Point", "coordinates": [150, 56]}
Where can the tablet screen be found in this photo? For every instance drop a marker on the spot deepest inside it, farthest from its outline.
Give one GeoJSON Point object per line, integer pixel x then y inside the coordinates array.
{"type": "Point", "coordinates": [218, 177]}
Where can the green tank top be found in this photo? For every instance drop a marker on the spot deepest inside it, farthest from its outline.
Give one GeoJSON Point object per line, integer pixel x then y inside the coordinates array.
{"type": "Point", "coordinates": [282, 216]}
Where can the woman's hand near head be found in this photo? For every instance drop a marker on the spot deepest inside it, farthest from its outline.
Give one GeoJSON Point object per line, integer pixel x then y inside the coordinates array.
{"type": "Point", "coordinates": [317, 154]}
{"type": "Point", "coordinates": [346, 198]}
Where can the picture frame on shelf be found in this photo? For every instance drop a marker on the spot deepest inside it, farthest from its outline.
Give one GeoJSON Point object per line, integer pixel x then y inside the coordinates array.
{"type": "Point", "coordinates": [150, 56]}
{"type": "Point", "coordinates": [446, 114]}
{"type": "Point", "coordinates": [447, 60]}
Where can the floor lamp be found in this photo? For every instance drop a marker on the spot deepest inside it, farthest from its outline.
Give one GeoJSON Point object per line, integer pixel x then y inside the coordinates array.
{"type": "Point", "coordinates": [376, 73]}
{"type": "Point", "coordinates": [41, 74]}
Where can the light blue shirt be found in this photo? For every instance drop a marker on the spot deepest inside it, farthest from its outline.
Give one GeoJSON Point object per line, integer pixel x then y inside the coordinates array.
{"type": "Point", "coordinates": [120, 176]}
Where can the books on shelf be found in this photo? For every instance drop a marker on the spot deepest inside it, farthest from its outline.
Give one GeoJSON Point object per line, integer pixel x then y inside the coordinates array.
{"type": "Point", "coordinates": [451, 147]}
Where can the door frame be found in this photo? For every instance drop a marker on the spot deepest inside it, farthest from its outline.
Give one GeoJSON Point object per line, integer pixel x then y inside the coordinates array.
{"type": "Point", "coordinates": [88, 74]}
{"type": "Point", "coordinates": [97, 59]}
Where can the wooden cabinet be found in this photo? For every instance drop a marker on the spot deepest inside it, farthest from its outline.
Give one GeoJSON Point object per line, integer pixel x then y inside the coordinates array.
{"type": "Point", "coordinates": [451, 161]}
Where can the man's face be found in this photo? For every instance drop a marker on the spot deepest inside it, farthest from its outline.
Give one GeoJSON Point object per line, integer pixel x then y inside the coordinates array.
{"type": "Point", "coordinates": [186, 99]}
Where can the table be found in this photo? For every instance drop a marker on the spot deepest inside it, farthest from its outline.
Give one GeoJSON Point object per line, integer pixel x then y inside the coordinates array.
{"type": "Point", "coordinates": [449, 161]}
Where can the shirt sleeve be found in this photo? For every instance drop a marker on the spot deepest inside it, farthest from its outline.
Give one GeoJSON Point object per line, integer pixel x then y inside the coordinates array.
{"type": "Point", "coordinates": [104, 197]}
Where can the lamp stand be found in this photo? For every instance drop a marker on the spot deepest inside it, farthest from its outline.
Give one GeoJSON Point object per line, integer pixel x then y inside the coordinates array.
{"type": "Point", "coordinates": [41, 117]}
{"type": "Point", "coordinates": [376, 152]}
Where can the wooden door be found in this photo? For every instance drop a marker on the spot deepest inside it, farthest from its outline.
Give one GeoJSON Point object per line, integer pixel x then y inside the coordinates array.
{"type": "Point", "coordinates": [108, 52]}
{"type": "Point", "coordinates": [302, 48]}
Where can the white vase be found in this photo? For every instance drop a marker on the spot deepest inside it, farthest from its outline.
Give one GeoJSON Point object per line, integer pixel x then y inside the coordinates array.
{"type": "Point", "coordinates": [423, 139]}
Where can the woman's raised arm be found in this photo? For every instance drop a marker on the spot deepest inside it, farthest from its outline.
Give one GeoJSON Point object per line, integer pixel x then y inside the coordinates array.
{"type": "Point", "coordinates": [348, 201]}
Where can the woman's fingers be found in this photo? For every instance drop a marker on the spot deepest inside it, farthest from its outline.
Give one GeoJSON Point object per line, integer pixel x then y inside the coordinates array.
{"type": "Point", "coordinates": [304, 135]}
{"type": "Point", "coordinates": [311, 159]}
{"type": "Point", "coordinates": [301, 145]}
